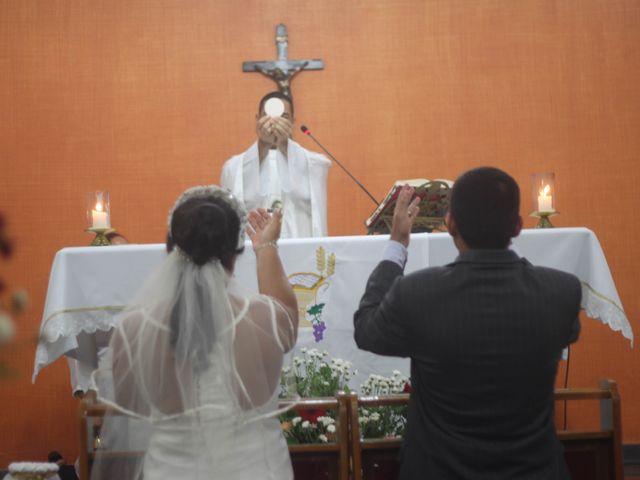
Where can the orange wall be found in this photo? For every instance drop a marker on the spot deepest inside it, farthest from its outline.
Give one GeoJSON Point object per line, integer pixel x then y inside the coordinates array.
{"type": "Point", "coordinates": [146, 97]}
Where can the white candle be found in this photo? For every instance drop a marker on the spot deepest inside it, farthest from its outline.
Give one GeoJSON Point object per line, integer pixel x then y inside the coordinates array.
{"type": "Point", "coordinates": [99, 217]}
{"type": "Point", "coordinates": [544, 200]}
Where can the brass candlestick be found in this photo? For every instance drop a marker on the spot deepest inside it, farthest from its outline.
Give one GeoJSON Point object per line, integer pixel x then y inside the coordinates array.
{"type": "Point", "coordinates": [544, 221]}
{"type": "Point", "coordinates": [100, 239]}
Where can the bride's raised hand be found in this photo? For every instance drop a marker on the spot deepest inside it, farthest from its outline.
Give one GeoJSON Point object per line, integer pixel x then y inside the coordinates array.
{"type": "Point", "coordinates": [264, 228]}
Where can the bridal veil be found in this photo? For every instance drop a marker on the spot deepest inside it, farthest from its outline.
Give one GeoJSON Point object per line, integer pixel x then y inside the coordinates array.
{"type": "Point", "coordinates": [196, 364]}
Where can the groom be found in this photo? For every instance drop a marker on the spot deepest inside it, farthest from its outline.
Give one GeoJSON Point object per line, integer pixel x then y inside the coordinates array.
{"type": "Point", "coordinates": [484, 335]}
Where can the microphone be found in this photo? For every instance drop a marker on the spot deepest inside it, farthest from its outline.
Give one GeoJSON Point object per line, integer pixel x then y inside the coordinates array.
{"type": "Point", "coordinates": [306, 131]}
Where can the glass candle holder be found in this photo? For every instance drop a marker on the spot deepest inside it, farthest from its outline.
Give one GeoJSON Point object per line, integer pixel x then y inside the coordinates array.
{"type": "Point", "coordinates": [98, 210]}
{"type": "Point", "coordinates": [543, 190]}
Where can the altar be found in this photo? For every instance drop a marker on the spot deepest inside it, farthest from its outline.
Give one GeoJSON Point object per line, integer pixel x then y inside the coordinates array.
{"type": "Point", "coordinates": [89, 286]}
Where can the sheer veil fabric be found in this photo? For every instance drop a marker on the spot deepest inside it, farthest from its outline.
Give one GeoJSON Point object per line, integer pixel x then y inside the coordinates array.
{"type": "Point", "coordinates": [196, 371]}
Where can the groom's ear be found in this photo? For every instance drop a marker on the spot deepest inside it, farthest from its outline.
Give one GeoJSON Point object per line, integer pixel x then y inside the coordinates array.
{"type": "Point", "coordinates": [450, 222]}
{"type": "Point", "coordinates": [518, 227]}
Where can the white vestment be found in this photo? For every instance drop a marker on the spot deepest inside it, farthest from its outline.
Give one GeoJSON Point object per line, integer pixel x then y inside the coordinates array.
{"type": "Point", "coordinates": [302, 176]}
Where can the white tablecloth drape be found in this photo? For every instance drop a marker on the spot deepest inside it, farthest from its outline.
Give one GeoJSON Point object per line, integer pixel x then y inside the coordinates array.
{"type": "Point", "coordinates": [88, 286]}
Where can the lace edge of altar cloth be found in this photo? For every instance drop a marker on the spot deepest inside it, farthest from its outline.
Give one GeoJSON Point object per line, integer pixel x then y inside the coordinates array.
{"type": "Point", "coordinates": [600, 307]}
{"type": "Point", "coordinates": [60, 329]}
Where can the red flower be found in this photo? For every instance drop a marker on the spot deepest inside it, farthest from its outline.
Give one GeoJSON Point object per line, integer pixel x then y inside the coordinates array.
{"type": "Point", "coordinates": [407, 388]}
{"type": "Point", "coordinates": [311, 415]}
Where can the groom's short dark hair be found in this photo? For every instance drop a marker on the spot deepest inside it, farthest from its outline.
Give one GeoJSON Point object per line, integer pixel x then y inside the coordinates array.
{"type": "Point", "coordinates": [485, 204]}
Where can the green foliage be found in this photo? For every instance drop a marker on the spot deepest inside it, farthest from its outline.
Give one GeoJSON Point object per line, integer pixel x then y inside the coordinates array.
{"type": "Point", "coordinates": [313, 376]}
{"type": "Point", "coordinates": [382, 422]}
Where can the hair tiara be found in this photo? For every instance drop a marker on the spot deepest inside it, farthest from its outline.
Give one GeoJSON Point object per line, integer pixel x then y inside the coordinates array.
{"type": "Point", "coordinates": [213, 191]}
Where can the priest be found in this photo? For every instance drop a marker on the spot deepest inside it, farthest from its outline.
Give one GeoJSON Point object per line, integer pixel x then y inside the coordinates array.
{"type": "Point", "coordinates": [276, 172]}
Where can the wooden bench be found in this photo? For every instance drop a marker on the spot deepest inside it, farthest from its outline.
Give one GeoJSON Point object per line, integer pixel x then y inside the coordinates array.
{"type": "Point", "coordinates": [595, 454]}
{"type": "Point", "coordinates": [591, 454]}
{"type": "Point", "coordinates": [373, 458]}
{"type": "Point", "coordinates": [324, 460]}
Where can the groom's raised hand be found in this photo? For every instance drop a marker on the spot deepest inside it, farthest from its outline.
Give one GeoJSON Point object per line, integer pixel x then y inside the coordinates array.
{"type": "Point", "coordinates": [404, 215]}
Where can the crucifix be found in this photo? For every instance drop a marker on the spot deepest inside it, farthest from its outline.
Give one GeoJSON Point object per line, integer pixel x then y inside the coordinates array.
{"type": "Point", "coordinates": [282, 70]}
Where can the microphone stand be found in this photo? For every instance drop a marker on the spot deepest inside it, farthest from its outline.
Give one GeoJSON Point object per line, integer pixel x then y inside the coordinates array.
{"type": "Point", "coordinates": [306, 131]}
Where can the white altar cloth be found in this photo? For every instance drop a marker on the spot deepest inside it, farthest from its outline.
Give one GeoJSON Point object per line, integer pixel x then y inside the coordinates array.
{"type": "Point", "coordinates": [88, 286]}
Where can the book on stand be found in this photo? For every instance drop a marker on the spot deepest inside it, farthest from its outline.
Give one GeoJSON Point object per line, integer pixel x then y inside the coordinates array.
{"type": "Point", "coordinates": [433, 205]}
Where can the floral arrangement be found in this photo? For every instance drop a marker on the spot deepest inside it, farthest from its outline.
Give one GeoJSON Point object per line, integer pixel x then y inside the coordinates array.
{"type": "Point", "coordinates": [385, 421]}
{"type": "Point", "coordinates": [10, 307]}
{"type": "Point", "coordinates": [309, 427]}
{"type": "Point", "coordinates": [313, 375]}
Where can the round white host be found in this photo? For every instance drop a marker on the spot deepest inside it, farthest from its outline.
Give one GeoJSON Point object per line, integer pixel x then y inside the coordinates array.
{"type": "Point", "coordinates": [274, 107]}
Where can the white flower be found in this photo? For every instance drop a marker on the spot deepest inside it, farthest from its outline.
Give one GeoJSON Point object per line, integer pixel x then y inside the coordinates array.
{"type": "Point", "coordinates": [396, 373]}
{"type": "Point", "coordinates": [295, 421]}
{"type": "Point", "coordinates": [363, 419]}
{"type": "Point", "coordinates": [323, 438]}
{"type": "Point", "coordinates": [325, 420]}
{"type": "Point", "coordinates": [305, 424]}
{"type": "Point", "coordinates": [7, 328]}
{"type": "Point", "coordinates": [331, 428]}
{"type": "Point", "coordinates": [303, 350]}
{"type": "Point", "coordinates": [375, 416]}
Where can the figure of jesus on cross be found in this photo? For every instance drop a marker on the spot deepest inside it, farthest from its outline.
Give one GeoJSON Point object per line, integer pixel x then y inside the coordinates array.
{"type": "Point", "coordinates": [282, 70]}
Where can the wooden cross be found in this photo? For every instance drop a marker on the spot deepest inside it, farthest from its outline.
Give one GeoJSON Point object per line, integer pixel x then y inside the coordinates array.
{"type": "Point", "coordinates": [282, 70]}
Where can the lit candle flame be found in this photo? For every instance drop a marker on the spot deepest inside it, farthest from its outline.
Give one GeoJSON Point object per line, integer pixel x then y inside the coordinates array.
{"type": "Point", "coordinates": [545, 191]}
{"type": "Point", "coordinates": [99, 207]}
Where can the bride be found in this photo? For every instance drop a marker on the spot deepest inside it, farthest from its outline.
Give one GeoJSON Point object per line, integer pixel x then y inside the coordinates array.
{"type": "Point", "coordinates": [197, 359]}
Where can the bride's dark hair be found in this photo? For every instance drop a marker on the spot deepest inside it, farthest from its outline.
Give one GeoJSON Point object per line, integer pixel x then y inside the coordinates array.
{"type": "Point", "coordinates": [205, 228]}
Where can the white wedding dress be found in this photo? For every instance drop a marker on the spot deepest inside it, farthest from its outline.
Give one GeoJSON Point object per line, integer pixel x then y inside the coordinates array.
{"type": "Point", "coordinates": [196, 363]}
{"type": "Point", "coordinates": [229, 445]}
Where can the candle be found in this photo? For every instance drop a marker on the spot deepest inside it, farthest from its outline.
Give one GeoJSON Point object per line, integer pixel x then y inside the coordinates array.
{"type": "Point", "coordinates": [544, 200]}
{"type": "Point", "coordinates": [99, 218]}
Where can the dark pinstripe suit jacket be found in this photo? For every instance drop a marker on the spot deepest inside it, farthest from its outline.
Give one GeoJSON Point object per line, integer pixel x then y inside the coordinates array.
{"type": "Point", "coordinates": [484, 335]}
